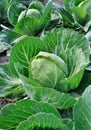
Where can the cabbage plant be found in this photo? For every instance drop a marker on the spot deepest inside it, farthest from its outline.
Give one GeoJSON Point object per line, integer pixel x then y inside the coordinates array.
{"type": "Point", "coordinates": [76, 13]}
{"type": "Point", "coordinates": [60, 65]}
{"type": "Point", "coordinates": [30, 20]}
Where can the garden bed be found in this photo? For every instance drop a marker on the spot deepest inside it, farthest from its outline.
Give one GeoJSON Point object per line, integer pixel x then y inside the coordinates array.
{"type": "Point", "coordinates": [45, 65]}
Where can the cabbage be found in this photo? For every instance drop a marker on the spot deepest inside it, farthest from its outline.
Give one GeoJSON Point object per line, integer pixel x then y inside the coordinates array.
{"type": "Point", "coordinates": [48, 69]}
{"type": "Point", "coordinates": [32, 13]}
{"type": "Point", "coordinates": [57, 61]}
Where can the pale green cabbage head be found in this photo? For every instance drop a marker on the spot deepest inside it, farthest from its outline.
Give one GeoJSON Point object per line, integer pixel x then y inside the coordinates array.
{"type": "Point", "coordinates": [32, 13]}
{"type": "Point", "coordinates": [48, 69]}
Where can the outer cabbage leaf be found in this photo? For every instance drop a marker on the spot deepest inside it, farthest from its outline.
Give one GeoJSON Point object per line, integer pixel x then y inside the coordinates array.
{"type": "Point", "coordinates": [86, 5]}
{"type": "Point", "coordinates": [82, 111]}
{"type": "Point", "coordinates": [59, 41]}
{"type": "Point", "coordinates": [13, 12]}
{"type": "Point", "coordinates": [76, 64]}
{"type": "Point", "coordinates": [45, 121]}
{"type": "Point", "coordinates": [69, 123]}
{"type": "Point", "coordinates": [79, 15]}
{"type": "Point", "coordinates": [7, 37]}
{"type": "Point", "coordinates": [45, 19]}
{"type": "Point", "coordinates": [9, 84]}
{"type": "Point", "coordinates": [65, 15]}
{"type": "Point", "coordinates": [51, 96]}
{"type": "Point", "coordinates": [24, 51]}
{"type": "Point", "coordinates": [45, 94]}
{"type": "Point", "coordinates": [28, 26]}
{"type": "Point", "coordinates": [69, 4]}
{"type": "Point", "coordinates": [13, 114]}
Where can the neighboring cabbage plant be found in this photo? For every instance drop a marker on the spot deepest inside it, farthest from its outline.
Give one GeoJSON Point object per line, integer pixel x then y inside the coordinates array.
{"type": "Point", "coordinates": [33, 21]}
{"type": "Point", "coordinates": [34, 10]}
{"type": "Point", "coordinates": [76, 13]}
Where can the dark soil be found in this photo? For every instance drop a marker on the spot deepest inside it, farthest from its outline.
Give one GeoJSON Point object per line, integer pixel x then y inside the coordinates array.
{"type": "Point", "coordinates": [4, 101]}
{"type": "Point", "coordinates": [3, 58]}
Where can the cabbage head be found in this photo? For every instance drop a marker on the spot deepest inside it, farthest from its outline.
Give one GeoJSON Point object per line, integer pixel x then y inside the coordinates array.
{"type": "Point", "coordinates": [32, 13]}
{"type": "Point", "coordinates": [48, 69]}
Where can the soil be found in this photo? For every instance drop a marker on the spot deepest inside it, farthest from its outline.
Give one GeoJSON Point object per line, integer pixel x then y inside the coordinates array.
{"type": "Point", "coordinates": [3, 58]}
{"type": "Point", "coordinates": [3, 102]}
